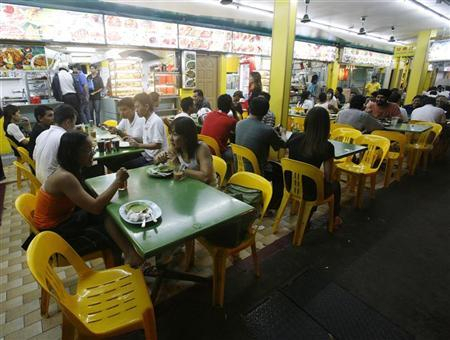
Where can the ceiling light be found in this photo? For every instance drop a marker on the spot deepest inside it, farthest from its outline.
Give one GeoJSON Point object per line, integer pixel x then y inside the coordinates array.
{"type": "Point", "coordinates": [362, 30]}
{"type": "Point", "coordinates": [306, 18]}
{"type": "Point", "coordinates": [392, 38]}
{"type": "Point", "coordinates": [226, 2]}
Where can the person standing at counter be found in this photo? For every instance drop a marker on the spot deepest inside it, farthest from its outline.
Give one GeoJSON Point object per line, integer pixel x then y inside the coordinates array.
{"type": "Point", "coordinates": [11, 127]}
{"type": "Point", "coordinates": [83, 90]}
{"type": "Point", "coordinates": [372, 87]}
{"type": "Point", "coordinates": [47, 143]}
{"type": "Point", "coordinates": [63, 86]}
{"type": "Point", "coordinates": [313, 86]}
{"type": "Point", "coordinates": [200, 101]}
{"type": "Point", "coordinates": [44, 118]}
{"type": "Point", "coordinates": [95, 84]}
{"type": "Point", "coordinates": [154, 137]}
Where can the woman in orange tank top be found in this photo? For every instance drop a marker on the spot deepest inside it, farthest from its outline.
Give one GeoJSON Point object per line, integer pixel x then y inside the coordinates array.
{"type": "Point", "coordinates": [86, 229]}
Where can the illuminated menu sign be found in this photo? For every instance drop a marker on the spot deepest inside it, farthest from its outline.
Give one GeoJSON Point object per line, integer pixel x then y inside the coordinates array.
{"type": "Point", "coordinates": [137, 32]}
{"type": "Point", "coordinates": [309, 51]}
{"type": "Point", "coordinates": [34, 23]}
{"type": "Point", "coordinates": [439, 51]}
{"type": "Point", "coordinates": [365, 58]}
{"type": "Point", "coordinates": [207, 39]}
{"type": "Point", "coordinates": [246, 43]}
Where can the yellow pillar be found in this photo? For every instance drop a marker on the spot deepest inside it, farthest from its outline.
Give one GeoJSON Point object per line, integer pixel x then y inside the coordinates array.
{"type": "Point", "coordinates": [333, 75]}
{"type": "Point", "coordinates": [5, 148]}
{"type": "Point", "coordinates": [418, 65]}
{"type": "Point", "coordinates": [283, 36]}
{"type": "Point", "coordinates": [222, 76]}
{"type": "Point", "coordinates": [394, 80]}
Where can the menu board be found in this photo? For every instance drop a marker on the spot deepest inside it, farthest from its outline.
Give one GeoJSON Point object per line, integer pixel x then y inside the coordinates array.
{"type": "Point", "coordinates": [34, 23]}
{"type": "Point", "coordinates": [363, 57]}
{"type": "Point", "coordinates": [439, 51]}
{"type": "Point", "coordinates": [129, 31]}
{"type": "Point", "coordinates": [22, 58]}
{"type": "Point", "coordinates": [202, 38]}
{"type": "Point", "coordinates": [309, 51]}
{"type": "Point", "coordinates": [246, 43]}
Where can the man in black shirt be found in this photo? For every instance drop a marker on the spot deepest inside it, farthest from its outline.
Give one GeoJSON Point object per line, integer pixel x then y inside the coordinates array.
{"type": "Point", "coordinates": [95, 84]}
{"type": "Point", "coordinates": [44, 118]}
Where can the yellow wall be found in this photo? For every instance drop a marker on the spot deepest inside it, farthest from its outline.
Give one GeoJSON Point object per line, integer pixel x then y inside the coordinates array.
{"type": "Point", "coordinates": [222, 75]}
{"type": "Point", "coordinates": [186, 93]}
{"type": "Point", "coordinates": [4, 145]}
{"type": "Point", "coordinates": [232, 63]}
{"type": "Point", "coordinates": [333, 75]}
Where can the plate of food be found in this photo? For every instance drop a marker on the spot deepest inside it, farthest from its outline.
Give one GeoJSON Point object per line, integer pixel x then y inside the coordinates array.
{"type": "Point", "coordinates": [39, 62]}
{"type": "Point", "coordinates": [136, 212]}
{"type": "Point", "coordinates": [160, 170]}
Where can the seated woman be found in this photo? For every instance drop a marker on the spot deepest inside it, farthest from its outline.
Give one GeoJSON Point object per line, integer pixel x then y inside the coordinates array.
{"type": "Point", "coordinates": [11, 127]}
{"type": "Point", "coordinates": [313, 147]}
{"type": "Point", "coordinates": [193, 157]}
{"type": "Point", "coordinates": [85, 229]}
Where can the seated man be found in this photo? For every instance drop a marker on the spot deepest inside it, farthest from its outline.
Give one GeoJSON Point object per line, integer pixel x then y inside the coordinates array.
{"type": "Point", "coordinates": [47, 143]}
{"type": "Point", "coordinates": [429, 112]}
{"type": "Point", "coordinates": [396, 98]}
{"type": "Point", "coordinates": [187, 108]}
{"type": "Point", "coordinates": [200, 101]}
{"type": "Point", "coordinates": [356, 117]}
{"type": "Point", "coordinates": [153, 136]}
{"type": "Point", "coordinates": [269, 118]}
{"type": "Point", "coordinates": [417, 102]}
{"type": "Point", "coordinates": [442, 102]}
{"type": "Point", "coordinates": [381, 108]}
{"type": "Point", "coordinates": [131, 125]}
{"type": "Point", "coordinates": [44, 118]}
{"type": "Point", "coordinates": [219, 125]}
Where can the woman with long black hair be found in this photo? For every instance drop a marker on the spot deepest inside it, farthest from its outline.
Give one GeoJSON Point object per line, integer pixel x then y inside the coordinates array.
{"type": "Point", "coordinates": [313, 147]}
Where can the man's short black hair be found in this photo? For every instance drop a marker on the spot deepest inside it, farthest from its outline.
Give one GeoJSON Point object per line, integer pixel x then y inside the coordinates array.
{"type": "Point", "coordinates": [322, 97]}
{"type": "Point", "coordinates": [199, 92]}
{"type": "Point", "coordinates": [357, 102]}
{"type": "Point", "coordinates": [384, 92]}
{"type": "Point", "coordinates": [238, 94]}
{"type": "Point", "coordinates": [77, 66]}
{"type": "Point", "coordinates": [64, 112]}
{"type": "Point", "coordinates": [339, 89]}
{"type": "Point", "coordinates": [224, 103]}
{"type": "Point", "coordinates": [429, 100]}
{"type": "Point", "coordinates": [259, 106]}
{"type": "Point", "coordinates": [186, 103]}
{"type": "Point", "coordinates": [265, 95]}
{"type": "Point", "coordinates": [395, 97]}
{"type": "Point", "coordinates": [40, 111]}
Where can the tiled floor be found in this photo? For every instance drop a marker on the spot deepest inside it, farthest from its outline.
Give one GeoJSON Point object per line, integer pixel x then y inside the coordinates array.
{"type": "Point", "coordinates": [19, 293]}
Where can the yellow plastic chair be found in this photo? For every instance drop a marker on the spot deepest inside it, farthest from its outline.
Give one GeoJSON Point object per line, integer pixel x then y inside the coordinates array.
{"type": "Point", "coordinates": [34, 182]}
{"type": "Point", "coordinates": [110, 123]}
{"type": "Point", "coordinates": [107, 303]}
{"type": "Point", "coordinates": [211, 142]}
{"type": "Point", "coordinates": [220, 167]}
{"type": "Point", "coordinates": [244, 114]}
{"type": "Point", "coordinates": [25, 156]}
{"type": "Point", "coordinates": [368, 165]}
{"type": "Point", "coordinates": [298, 171]}
{"type": "Point", "coordinates": [276, 155]}
{"type": "Point", "coordinates": [423, 146]}
{"type": "Point", "coordinates": [25, 205]}
{"type": "Point", "coordinates": [334, 126]}
{"type": "Point", "coordinates": [396, 154]}
{"type": "Point", "coordinates": [345, 135]}
{"type": "Point", "coordinates": [242, 153]}
{"type": "Point", "coordinates": [296, 123]}
{"type": "Point", "coordinates": [15, 147]}
{"type": "Point", "coordinates": [220, 254]}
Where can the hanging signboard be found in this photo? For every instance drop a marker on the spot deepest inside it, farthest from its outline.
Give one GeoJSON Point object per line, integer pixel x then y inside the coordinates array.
{"type": "Point", "coordinates": [202, 38]}
{"type": "Point", "coordinates": [439, 51]}
{"type": "Point", "coordinates": [309, 51]}
{"type": "Point", "coordinates": [404, 51]}
{"type": "Point", "coordinates": [365, 58]}
{"type": "Point", "coordinates": [26, 58]}
{"type": "Point", "coordinates": [246, 43]}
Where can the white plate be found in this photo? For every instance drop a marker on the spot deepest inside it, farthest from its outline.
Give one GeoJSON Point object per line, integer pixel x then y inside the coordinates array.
{"type": "Point", "coordinates": [153, 171]}
{"type": "Point", "coordinates": [156, 211]}
{"type": "Point", "coordinates": [123, 144]}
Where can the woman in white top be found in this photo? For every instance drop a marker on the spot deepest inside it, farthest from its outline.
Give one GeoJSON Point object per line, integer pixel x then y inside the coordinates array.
{"type": "Point", "coordinates": [332, 102]}
{"type": "Point", "coordinates": [306, 101]}
{"type": "Point", "coordinates": [188, 154]}
{"type": "Point", "coordinates": [11, 125]}
{"type": "Point", "coordinates": [131, 124]}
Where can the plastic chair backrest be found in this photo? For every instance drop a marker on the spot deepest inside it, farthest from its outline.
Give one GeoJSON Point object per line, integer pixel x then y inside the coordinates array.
{"type": "Point", "coordinates": [345, 135]}
{"type": "Point", "coordinates": [334, 126]}
{"type": "Point", "coordinates": [254, 181]}
{"type": "Point", "coordinates": [244, 115]}
{"type": "Point", "coordinates": [25, 156]}
{"type": "Point", "coordinates": [35, 185]}
{"type": "Point", "coordinates": [211, 142]}
{"type": "Point", "coordinates": [242, 153]}
{"type": "Point", "coordinates": [14, 146]}
{"type": "Point", "coordinates": [220, 167]}
{"type": "Point", "coordinates": [397, 137]}
{"type": "Point", "coordinates": [110, 123]}
{"type": "Point", "coordinates": [377, 149]}
{"type": "Point", "coordinates": [299, 170]}
{"type": "Point", "coordinates": [436, 130]}
{"type": "Point", "coordinates": [25, 205]}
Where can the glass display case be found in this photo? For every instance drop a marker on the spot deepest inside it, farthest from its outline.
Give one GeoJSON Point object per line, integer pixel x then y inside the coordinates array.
{"type": "Point", "coordinates": [38, 84]}
{"type": "Point", "coordinates": [126, 77]}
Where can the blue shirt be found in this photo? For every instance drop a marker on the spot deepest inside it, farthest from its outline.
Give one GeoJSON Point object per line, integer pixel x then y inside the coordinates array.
{"type": "Point", "coordinates": [83, 80]}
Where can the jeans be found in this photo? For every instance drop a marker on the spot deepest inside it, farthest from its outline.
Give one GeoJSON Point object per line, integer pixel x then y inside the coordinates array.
{"type": "Point", "coordinates": [85, 112]}
{"type": "Point", "coordinates": [72, 100]}
{"type": "Point", "coordinates": [94, 105]}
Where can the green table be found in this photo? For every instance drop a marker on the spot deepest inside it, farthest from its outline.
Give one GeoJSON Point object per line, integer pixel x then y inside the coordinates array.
{"type": "Point", "coordinates": [189, 208]}
{"type": "Point", "coordinates": [414, 128]}
{"type": "Point", "coordinates": [104, 134]}
{"type": "Point", "coordinates": [342, 150]}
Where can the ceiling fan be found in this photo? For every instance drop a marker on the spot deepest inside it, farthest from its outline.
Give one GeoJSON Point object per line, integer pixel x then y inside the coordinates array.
{"type": "Point", "coordinates": [306, 18]}
{"type": "Point", "coordinates": [362, 30]}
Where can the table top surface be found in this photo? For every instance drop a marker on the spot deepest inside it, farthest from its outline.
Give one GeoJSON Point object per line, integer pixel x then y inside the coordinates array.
{"type": "Point", "coordinates": [189, 208]}
{"type": "Point", "coordinates": [104, 134]}
{"type": "Point", "coordinates": [414, 128]}
{"type": "Point", "coordinates": [342, 150]}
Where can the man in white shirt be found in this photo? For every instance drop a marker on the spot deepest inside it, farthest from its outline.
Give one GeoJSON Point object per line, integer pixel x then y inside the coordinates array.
{"type": "Point", "coordinates": [154, 137]}
{"type": "Point", "coordinates": [429, 112]}
{"type": "Point", "coordinates": [187, 107]}
{"type": "Point", "coordinates": [63, 87]}
{"type": "Point", "coordinates": [131, 125]}
{"type": "Point", "coordinates": [47, 144]}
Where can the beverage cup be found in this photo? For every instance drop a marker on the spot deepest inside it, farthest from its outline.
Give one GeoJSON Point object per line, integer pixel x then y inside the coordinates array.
{"type": "Point", "coordinates": [116, 145]}
{"type": "Point", "coordinates": [124, 185]}
{"type": "Point", "coordinates": [108, 146]}
{"type": "Point", "coordinates": [394, 121]}
{"type": "Point", "coordinates": [101, 146]}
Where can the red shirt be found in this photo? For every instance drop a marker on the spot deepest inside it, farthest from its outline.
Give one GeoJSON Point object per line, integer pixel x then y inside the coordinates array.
{"type": "Point", "coordinates": [219, 125]}
{"type": "Point", "coordinates": [388, 111]}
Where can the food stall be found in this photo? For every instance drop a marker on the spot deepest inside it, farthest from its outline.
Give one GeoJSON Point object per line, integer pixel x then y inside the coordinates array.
{"type": "Point", "coordinates": [439, 58]}
{"type": "Point", "coordinates": [309, 59]}
{"type": "Point", "coordinates": [358, 67]}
